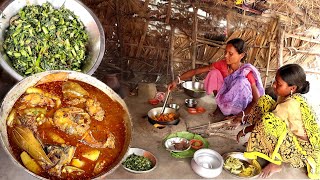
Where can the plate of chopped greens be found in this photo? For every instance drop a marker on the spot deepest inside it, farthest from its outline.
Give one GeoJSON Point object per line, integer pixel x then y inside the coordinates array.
{"type": "Point", "coordinates": [139, 161]}
{"type": "Point", "coordinates": [238, 165]}
{"type": "Point", "coordinates": [38, 36]}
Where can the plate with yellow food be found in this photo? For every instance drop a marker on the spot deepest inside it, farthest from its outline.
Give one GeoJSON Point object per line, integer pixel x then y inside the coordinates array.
{"type": "Point", "coordinates": [236, 164]}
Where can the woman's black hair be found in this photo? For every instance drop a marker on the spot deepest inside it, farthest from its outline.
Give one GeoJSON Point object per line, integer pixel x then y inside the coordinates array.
{"type": "Point", "coordinates": [240, 46]}
{"type": "Point", "coordinates": [293, 74]}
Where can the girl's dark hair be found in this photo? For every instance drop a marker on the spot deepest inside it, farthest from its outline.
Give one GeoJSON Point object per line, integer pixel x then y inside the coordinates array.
{"type": "Point", "coordinates": [293, 74]}
{"type": "Point", "coordinates": [240, 46]}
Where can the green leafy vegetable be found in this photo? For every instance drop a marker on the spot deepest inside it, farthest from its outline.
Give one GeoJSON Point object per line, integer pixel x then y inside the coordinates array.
{"type": "Point", "coordinates": [42, 38]}
{"type": "Point", "coordinates": [137, 163]}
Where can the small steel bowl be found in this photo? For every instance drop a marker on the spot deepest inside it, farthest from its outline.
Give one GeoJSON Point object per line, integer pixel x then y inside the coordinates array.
{"type": "Point", "coordinates": [144, 153]}
{"type": "Point", "coordinates": [190, 103]}
{"type": "Point", "coordinates": [174, 106]}
{"type": "Point", "coordinates": [207, 163]}
{"type": "Point", "coordinates": [177, 144]}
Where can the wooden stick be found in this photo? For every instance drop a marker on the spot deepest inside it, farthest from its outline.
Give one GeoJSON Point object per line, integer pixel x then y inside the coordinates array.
{"type": "Point", "coordinates": [268, 64]}
{"type": "Point", "coordinates": [145, 30]}
{"type": "Point", "coordinates": [228, 136]}
{"type": "Point", "coordinates": [280, 46]}
{"type": "Point", "coordinates": [168, 12]}
{"type": "Point", "coordinates": [287, 35]}
{"type": "Point", "coordinates": [194, 39]}
{"type": "Point", "coordinates": [170, 51]}
{"type": "Point", "coordinates": [120, 35]}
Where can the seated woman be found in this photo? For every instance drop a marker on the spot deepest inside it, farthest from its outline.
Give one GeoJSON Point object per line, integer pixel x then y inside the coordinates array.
{"type": "Point", "coordinates": [238, 85]}
{"type": "Point", "coordinates": [285, 131]}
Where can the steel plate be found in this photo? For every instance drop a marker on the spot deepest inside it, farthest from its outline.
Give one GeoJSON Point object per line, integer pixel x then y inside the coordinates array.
{"type": "Point", "coordinates": [246, 161]}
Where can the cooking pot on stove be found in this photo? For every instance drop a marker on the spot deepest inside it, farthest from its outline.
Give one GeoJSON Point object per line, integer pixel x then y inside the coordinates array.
{"type": "Point", "coordinates": [156, 111]}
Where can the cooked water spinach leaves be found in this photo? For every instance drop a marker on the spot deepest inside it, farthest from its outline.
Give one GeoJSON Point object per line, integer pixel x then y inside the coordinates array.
{"type": "Point", "coordinates": [42, 38]}
{"type": "Point", "coordinates": [137, 163]}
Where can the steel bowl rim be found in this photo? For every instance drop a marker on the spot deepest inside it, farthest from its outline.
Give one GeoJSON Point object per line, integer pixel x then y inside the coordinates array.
{"type": "Point", "coordinates": [226, 155]}
{"type": "Point", "coordinates": [173, 122]}
{"type": "Point", "coordinates": [143, 150]}
{"type": "Point", "coordinates": [181, 139]}
{"type": "Point", "coordinates": [17, 76]}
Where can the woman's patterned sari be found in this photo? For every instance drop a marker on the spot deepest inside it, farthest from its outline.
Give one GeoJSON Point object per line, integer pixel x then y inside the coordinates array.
{"type": "Point", "coordinates": [272, 140]}
{"type": "Point", "coordinates": [236, 93]}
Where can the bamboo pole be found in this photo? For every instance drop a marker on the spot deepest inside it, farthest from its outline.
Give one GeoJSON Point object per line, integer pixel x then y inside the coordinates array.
{"type": "Point", "coordinates": [145, 30]}
{"type": "Point", "coordinates": [170, 51]}
{"type": "Point", "coordinates": [168, 12]}
{"type": "Point", "coordinates": [280, 46]}
{"type": "Point", "coordinates": [287, 35]}
{"type": "Point", "coordinates": [119, 34]}
{"type": "Point", "coordinates": [142, 39]}
{"type": "Point", "coordinates": [194, 39]}
{"type": "Point", "coordinates": [268, 65]}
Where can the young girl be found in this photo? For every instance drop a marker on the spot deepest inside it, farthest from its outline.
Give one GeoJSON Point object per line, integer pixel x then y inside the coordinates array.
{"type": "Point", "coordinates": [286, 130]}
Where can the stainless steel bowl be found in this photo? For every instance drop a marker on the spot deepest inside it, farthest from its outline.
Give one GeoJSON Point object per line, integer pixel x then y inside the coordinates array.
{"type": "Point", "coordinates": [194, 89]}
{"type": "Point", "coordinates": [177, 144]}
{"type": "Point", "coordinates": [190, 103]}
{"type": "Point", "coordinates": [207, 163]}
{"type": "Point", "coordinates": [174, 106]}
{"type": "Point", "coordinates": [144, 153]}
{"type": "Point", "coordinates": [93, 26]}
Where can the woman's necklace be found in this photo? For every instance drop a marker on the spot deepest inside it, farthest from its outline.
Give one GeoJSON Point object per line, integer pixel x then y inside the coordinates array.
{"type": "Point", "coordinates": [231, 70]}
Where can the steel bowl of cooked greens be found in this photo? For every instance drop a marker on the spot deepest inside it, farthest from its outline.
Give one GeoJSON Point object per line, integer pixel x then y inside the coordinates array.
{"type": "Point", "coordinates": [37, 36]}
{"type": "Point", "coordinates": [139, 161]}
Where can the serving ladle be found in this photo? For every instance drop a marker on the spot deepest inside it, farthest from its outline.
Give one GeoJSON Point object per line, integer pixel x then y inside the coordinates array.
{"type": "Point", "coordinates": [165, 102]}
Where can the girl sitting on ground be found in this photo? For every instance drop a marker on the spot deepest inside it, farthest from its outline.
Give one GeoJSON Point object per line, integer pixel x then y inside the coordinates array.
{"type": "Point", "coordinates": [285, 131]}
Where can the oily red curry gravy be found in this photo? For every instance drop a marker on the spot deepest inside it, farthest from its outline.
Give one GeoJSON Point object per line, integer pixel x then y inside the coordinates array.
{"type": "Point", "coordinates": [113, 122]}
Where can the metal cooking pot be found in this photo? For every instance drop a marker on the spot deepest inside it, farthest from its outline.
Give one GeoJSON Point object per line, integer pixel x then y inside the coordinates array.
{"type": "Point", "coordinates": [194, 89]}
{"type": "Point", "coordinates": [155, 111]}
{"type": "Point", "coordinates": [96, 46]}
{"type": "Point", "coordinates": [13, 95]}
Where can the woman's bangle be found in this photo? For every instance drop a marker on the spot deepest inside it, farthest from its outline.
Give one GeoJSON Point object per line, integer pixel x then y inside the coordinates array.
{"type": "Point", "coordinates": [179, 79]}
{"type": "Point", "coordinates": [242, 119]}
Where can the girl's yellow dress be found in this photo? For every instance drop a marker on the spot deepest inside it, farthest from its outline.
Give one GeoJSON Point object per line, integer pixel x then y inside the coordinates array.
{"type": "Point", "coordinates": [285, 131]}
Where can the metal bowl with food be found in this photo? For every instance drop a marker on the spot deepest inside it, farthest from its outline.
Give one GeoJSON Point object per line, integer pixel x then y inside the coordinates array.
{"type": "Point", "coordinates": [177, 144]}
{"type": "Point", "coordinates": [139, 161]}
{"type": "Point", "coordinates": [90, 53]}
{"type": "Point", "coordinates": [65, 125]}
{"type": "Point", "coordinates": [194, 89]}
{"type": "Point", "coordinates": [170, 116]}
{"type": "Point", "coordinates": [238, 165]}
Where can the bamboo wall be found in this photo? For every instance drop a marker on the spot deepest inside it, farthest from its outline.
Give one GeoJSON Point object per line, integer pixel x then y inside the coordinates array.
{"type": "Point", "coordinates": [155, 42]}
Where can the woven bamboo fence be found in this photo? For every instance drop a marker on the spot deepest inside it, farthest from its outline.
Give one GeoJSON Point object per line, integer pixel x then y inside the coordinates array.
{"type": "Point", "coordinates": [154, 42]}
